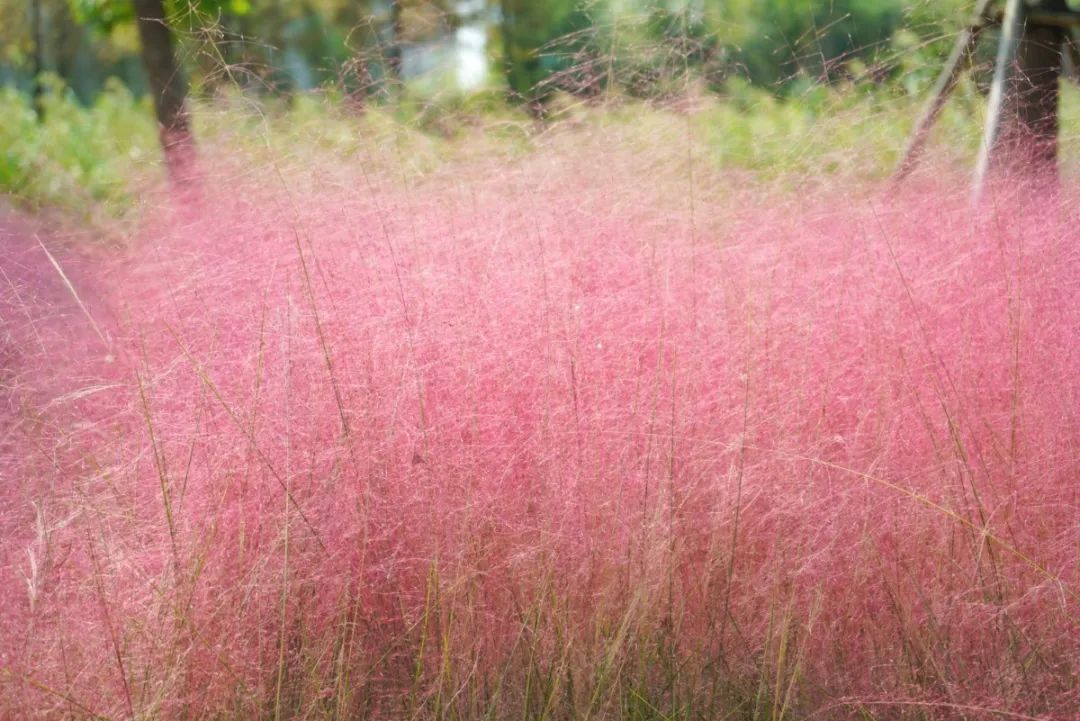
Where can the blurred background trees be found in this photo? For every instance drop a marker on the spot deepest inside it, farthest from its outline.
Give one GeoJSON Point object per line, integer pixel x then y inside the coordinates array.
{"type": "Point", "coordinates": [531, 48]}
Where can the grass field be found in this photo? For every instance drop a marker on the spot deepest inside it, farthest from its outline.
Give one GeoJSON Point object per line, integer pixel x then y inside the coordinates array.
{"type": "Point", "coordinates": [649, 413]}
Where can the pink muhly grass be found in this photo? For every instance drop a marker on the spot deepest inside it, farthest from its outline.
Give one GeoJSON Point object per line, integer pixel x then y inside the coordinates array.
{"type": "Point", "coordinates": [543, 441]}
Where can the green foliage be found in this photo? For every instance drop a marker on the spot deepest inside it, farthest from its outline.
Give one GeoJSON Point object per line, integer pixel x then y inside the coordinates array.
{"type": "Point", "coordinates": [782, 45]}
{"type": "Point", "coordinates": [654, 50]}
{"type": "Point", "coordinates": [817, 130]}
{"type": "Point", "coordinates": [79, 159]}
{"type": "Point", "coordinates": [777, 41]}
{"type": "Point", "coordinates": [102, 14]}
{"type": "Point", "coordinates": [107, 14]}
{"type": "Point", "coordinates": [542, 41]}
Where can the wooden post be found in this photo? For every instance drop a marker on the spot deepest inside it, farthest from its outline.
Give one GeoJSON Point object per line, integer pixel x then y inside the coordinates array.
{"type": "Point", "coordinates": [946, 83]}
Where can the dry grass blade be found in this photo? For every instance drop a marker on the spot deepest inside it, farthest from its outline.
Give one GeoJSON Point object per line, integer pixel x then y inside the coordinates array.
{"type": "Point", "coordinates": [74, 294]}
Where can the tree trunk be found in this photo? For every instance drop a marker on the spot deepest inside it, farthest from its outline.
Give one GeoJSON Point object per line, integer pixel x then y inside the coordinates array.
{"type": "Point", "coordinates": [39, 20]}
{"type": "Point", "coordinates": [168, 86]}
{"type": "Point", "coordinates": [1032, 131]}
{"type": "Point", "coordinates": [394, 52]}
{"type": "Point", "coordinates": [1021, 135]}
